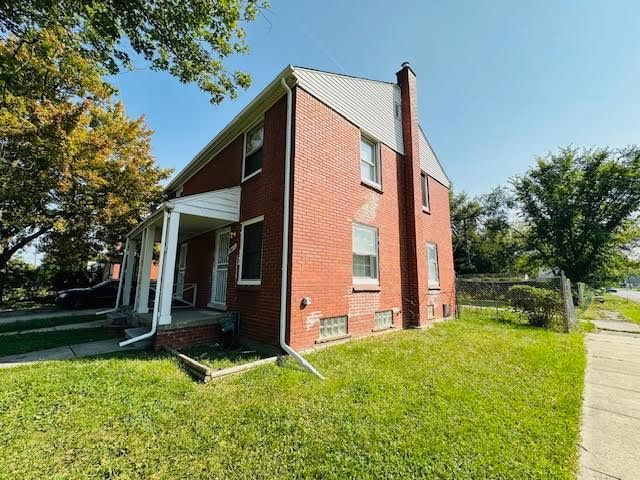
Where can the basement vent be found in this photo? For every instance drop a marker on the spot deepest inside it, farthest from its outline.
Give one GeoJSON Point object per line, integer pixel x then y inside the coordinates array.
{"type": "Point", "coordinates": [446, 310]}
{"type": "Point", "coordinates": [431, 312]}
{"type": "Point", "coordinates": [333, 327]}
{"type": "Point", "coordinates": [384, 319]}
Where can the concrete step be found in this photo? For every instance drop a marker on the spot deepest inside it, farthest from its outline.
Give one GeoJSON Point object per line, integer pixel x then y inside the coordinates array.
{"type": "Point", "coordinates": [117, 318]}
{"type": "Point", "coordinates": [136, 332]}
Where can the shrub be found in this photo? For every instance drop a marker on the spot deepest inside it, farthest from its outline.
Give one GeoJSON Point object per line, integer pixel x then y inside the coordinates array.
{"type": "Point", "coordinates": [539, 305]}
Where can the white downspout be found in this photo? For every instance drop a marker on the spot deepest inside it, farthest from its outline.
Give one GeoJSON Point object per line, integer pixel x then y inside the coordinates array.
{"type": "Point", "coordinates": [156, 301]}
{"type": "Point", "coordinates": [123, 266]}
{"type": "Point", "coordinates": [285, 242]}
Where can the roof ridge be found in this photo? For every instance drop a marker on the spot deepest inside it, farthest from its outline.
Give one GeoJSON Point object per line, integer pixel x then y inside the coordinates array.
{"type": "Point", "coordinates": [342, 75]}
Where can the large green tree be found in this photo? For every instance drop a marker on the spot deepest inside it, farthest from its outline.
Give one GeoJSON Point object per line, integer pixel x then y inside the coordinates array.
{"type": "Point", "coordinates": [189, 39]}
{"type": "Point", "coordinates": [485, 237]}
{"type": "Point", "coordinates": [74, 168]}
{"type": "Point", "coordinates": [581, 208]}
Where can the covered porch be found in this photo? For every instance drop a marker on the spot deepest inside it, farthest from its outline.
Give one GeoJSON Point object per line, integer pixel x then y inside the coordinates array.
{"type": "Point", "coordinates": [173, 223]}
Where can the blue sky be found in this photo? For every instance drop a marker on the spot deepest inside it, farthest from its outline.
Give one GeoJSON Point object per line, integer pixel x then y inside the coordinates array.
{"type": "Point", "coordinates": [499, 82]}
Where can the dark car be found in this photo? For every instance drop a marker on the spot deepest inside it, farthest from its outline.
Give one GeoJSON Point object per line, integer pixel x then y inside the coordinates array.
{"type": "Point", "coordinates": [612, 290]}
{"type": "Point", "coordinates": [100, 295]}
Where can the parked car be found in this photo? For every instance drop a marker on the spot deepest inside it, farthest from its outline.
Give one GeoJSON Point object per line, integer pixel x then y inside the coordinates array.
{"type": "Point", "coordinates": [612, 290]}
{"type": "Point", "coordinates": [101, 295]}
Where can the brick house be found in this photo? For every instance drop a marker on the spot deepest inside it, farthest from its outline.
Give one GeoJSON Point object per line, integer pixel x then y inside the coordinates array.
{"type": "Point", "coordinates": [326, 177]}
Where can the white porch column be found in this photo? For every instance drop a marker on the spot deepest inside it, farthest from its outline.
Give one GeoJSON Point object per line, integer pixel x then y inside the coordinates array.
{"type": "Point", "coordinates": [144, 271]}
{"type": "Point", "coordinates": [168, 268]}
{"type": "Point", "coordinates": [128, 273]}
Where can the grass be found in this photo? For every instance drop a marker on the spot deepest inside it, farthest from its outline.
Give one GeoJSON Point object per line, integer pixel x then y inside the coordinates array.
{"type": "Point", "coordinates": [629, 309]}
{"type": "Point", "coordinates": [467, 399]}
{"type": "Point", "coordinates": [22, 325]}
{"type": "Point", "coordinates": [30, 342]}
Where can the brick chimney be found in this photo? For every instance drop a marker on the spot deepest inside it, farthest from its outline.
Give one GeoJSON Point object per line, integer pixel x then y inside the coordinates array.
{"type": "Point", "coordinates": [414, 278]}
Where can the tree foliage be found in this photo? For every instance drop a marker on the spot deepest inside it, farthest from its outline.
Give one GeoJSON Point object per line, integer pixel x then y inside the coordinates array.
{"type": "Point", "coordinates": [485, 239]}
{"type": "Point", "coordinates": [580, 207]}
{"type": "Point", "coordinates": [73, 166]}
{"type": "Point", "coordinates": [188, 39]}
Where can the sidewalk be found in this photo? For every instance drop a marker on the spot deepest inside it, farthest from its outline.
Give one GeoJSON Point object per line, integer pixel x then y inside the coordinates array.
{"type": "Point", "coordinates": [58, 328]}
{"type": "Point", "coordinates": [610, 431]}
{"type": "Point", "coordinates": [67, 352]}
{"type": "Point", "coordinates": [19, 317]}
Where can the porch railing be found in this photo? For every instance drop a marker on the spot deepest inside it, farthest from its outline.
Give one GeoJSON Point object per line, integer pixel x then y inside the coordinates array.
{"type": "Point", "coordinates": [180, 299]}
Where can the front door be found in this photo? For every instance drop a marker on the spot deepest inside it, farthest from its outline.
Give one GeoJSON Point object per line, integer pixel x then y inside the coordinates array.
{"type": "Point", "coordinates": [220, 269]}
{"type": "Point", "coordinates": [182, 268]}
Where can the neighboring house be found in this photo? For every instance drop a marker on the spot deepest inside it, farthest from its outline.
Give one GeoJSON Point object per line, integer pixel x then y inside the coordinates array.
{"type": "Point", "coordinates": [364, 216]}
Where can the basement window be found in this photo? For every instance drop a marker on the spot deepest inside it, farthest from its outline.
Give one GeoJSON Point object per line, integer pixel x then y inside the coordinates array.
{"type": "Point", "coordinates": [431, 312]}
{"type": "Point", "coordinates": [384, 319]}
{"type": "Point", "coordinates": [333, 327]}
{"type": "Point", "coordinates": [446, 310]}
{"type": "Point", "coordinates": [369, 161]}
{"type": "Point", "coordinates": [253, 140]}
{"type": "Point", "coordinates": [251, 252]}
{"type": "Point", "coordinates": [365, 255]}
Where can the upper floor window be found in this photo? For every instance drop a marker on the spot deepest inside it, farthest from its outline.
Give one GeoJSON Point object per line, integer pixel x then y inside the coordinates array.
{"type": "Point", "coordinates": [251, 252]}
{"type": "Point", "coordinates": [369, 161]}
{"type": "Point", "coordinates": [365, 254]}
{"type": "Point", "coordinates": [253, 151]}
{"type": "Point", "coordinates": [433, 272]}
{"type": "Point", "coordinates": [424, 183]}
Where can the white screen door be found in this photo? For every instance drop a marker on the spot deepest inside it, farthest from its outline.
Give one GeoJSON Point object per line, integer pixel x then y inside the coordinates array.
{"type": "Point", "coordinates": [220, 269]}
{"type": "Point", "coordinates": [182, 268]}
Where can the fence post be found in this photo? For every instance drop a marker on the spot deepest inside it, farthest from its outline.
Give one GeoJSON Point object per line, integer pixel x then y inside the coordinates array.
{"type": "Point", "coordinates": [567, 299]}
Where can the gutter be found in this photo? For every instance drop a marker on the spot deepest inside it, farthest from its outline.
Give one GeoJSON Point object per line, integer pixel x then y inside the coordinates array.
{"type": "Point", "coordinates": [285, 241]}
{"type": "Point", "coordinates": [159, 286]}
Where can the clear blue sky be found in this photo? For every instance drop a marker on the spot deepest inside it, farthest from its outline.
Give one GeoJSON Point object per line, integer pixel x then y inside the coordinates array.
{"type": "Point", "coordinates": [499, 82]}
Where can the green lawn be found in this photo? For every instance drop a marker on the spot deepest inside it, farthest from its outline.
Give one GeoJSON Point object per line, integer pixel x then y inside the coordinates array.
{"type": "Point", "coordinates": [467, 399]}
{"type": "Point", "coordinates": [630, 310]}
{"type": "Point", "coordinates": [29, 342]}
{"type": "Point", "coordinates": [46, 322]}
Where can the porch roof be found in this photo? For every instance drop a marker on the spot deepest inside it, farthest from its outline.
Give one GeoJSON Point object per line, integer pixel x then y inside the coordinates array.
{"type": "Point", "coordinates": [200, 212]}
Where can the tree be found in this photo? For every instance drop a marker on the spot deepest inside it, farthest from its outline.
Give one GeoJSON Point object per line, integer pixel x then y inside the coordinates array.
{"type": "Point", "coordinates": [74, 169]}
{"type": "Point", "coordinates": [188, 39]}
{"type": "Point", "coordinates": [485, 239]}
{"type": "Point", "coordinates": [580, 206]}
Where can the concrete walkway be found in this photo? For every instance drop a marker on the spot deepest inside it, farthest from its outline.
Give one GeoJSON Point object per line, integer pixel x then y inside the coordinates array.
{"type": "Point", "coordinates": [610, 431]}
{"type": "Point", "coordinates": [19, 317]}
{"type": "Point", "coordinates": [67, 352]}
{"type": "Point", "coordinates": [59, 328]}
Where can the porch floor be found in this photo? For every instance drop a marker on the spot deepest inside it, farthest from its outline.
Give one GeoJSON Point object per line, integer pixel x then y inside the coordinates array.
{"type": "Point", "coordinates": [186, 316]}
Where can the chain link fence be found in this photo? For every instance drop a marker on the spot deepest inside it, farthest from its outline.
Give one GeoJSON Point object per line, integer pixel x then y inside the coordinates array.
{"type": "Point", "coordinates": [545, 302]}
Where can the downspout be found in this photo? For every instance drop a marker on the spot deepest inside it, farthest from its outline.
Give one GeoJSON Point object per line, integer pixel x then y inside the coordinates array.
{"type": "Point", "coordinates": [285, 242]}
{"type": "Point", "coordinates": [156, 301]}
{"type": "Point", "coordinates": [123, 265]}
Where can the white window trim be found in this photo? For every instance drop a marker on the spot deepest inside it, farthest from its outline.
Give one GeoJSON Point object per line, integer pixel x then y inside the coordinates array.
{"type": "Point", "coordinates": [251, 281]}
{"type": "Point", "coordinates": [367, 280]}
{"type": "Point", "coordinates": [430, 282]}
{"type": "Point", "coordinates": [424, 179]}
{"type": "Point", "coordinates": [255, 124]}
{"type": "Point", "coordinates": [377, 158]}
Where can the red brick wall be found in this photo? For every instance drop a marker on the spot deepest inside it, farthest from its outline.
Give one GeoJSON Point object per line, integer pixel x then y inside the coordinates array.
{"type": "Point", "coordinates": [327, 198]}
{"type": "Point", "coordinates": [262, 194]}
{"type": "Point", "coordinates": [436, 228]}
{"type": "Point", "coordinates": [222, 171]}
{"type": "Point", "coordinates": [188, 337]}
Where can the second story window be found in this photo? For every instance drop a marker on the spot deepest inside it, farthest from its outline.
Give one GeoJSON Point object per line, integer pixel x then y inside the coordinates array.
{"type": "Point", "coordinates": [424, 183]}
{"type": "Point", "coordinates": [369, 161]}
{"type": "Point", "coordinates": [253, 151]}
